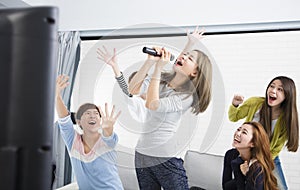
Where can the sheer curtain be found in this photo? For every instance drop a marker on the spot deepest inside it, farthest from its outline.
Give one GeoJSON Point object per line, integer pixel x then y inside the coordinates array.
{"type": "Point", "coordinates": [68, 61]}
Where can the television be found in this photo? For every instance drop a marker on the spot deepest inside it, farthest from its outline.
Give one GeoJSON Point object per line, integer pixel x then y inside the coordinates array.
{"type": "Point", "coordinates": [28, 56]}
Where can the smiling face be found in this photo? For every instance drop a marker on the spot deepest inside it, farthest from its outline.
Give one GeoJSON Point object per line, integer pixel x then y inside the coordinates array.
{"type": "Point", "coordinates": [90, 120]}
{"type": "Point", "coordinates": [275, 93]}
{"type": "Point", "coordinates": [186, 64]}
{"type": "Point", "coordinates": [243, 137]}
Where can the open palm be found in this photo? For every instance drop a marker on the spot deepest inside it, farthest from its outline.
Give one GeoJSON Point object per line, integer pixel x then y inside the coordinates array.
{"type": "Point", "coordinates": [106, 56]}
{"type": "Point", "coordinates": [108, 120]}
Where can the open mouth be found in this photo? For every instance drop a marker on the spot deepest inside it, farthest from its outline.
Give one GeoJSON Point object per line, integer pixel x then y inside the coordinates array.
{"type": "Point", "coordinates": [272, 98]}
{"type": "Point", "coordinates": [179, 63]}
{"type": "Point", "coordinates": [237, 140]}
{"type": "Point", "coordinates": [92, 122]}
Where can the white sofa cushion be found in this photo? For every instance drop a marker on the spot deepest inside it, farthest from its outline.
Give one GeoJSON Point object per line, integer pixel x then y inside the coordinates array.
{"type": "Point", "coordinates": [204, 170]}
{"type": "Point", "coordinates": [126, 169]}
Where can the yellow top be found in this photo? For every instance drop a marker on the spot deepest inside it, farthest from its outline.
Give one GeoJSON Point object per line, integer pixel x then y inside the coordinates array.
{"type": "Point", "coordinates": [248, 109]}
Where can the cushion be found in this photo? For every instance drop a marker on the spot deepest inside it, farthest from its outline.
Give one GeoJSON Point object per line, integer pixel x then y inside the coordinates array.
{"type": "Point", "coordinates": [204, 170]}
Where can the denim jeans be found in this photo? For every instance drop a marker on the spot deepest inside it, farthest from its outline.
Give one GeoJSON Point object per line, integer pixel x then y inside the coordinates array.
{"type": "Point", "coordinates": [278, 173]}
{"type": "Point", "coordinates": [154, 173]}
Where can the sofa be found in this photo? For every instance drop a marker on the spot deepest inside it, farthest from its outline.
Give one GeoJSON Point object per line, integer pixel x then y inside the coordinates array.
{"type": "Point", "coordinates": [204, 171]}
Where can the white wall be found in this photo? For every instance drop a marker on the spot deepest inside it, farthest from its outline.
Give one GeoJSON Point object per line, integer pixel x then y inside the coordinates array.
{"type": "Point", "coordinates": [116, 14]}
{"type": "Point", "coordinates": [12, 3]}
{"type": "Point", "coordinates": [246, 63]}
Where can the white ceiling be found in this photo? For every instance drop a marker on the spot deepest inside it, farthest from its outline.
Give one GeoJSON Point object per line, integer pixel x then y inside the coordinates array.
{"type": "Point", "coordinates": [115, 14]}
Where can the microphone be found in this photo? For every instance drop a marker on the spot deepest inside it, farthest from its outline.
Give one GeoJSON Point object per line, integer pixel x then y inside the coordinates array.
{"type": "Point", "coordinates": [152, 51]}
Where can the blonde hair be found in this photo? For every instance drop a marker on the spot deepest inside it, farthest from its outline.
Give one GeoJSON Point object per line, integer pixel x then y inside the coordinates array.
{"type": "Point", "coordinates": [199, 86]}
{"type": "Point", "coordinates": [202, 83]}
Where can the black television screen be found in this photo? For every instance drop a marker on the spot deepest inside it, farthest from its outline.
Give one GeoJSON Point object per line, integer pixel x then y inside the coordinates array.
{"type": "Point", "coordinates": [28, 48]}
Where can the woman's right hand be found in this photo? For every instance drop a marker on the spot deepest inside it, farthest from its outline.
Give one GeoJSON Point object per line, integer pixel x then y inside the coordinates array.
{"type": "Point", "coordinates": [155, 58]}
{"type": "Point", "coordinates": [62, 81]}
{"type": "Point", "coordinates": [237, 100]}
{"type": "Point", "coordinates": [244, 168]}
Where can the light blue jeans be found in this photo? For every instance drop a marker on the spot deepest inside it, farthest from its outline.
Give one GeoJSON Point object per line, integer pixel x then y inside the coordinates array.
{"type": "Point", "coordinates": [278, 173]}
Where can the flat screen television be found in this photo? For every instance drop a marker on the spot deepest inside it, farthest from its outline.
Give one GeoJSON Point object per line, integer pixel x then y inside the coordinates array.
{"type": "Point", "coordinates": [28, 59]}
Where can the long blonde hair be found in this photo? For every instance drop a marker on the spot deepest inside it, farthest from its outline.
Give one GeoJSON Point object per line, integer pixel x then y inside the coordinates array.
{"type": "Point", "coordinates": [199, 86]}
{"type": "Point", "coordinates": [202, 83]}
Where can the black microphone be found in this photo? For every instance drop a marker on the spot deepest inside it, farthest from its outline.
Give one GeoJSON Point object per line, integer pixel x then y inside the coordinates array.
{"type": "Point", "coordinates": [152, 51]}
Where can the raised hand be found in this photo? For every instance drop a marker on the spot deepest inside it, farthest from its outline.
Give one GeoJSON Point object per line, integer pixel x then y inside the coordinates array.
{"type": "Point", "coordinates": [108, 120]}
{"type": "Point", "coordinates": [237, 100]}
{"type": "Point", "coordinates": [155, 58]}
{"type": "Point", "coordinates": [193, 38]}
{"type": "Point", "coordinates": [196, 35]}
{"type": "Point", "coordinates": [62, 81]}
{"type": "Point", "coordinates": [165, 57]}
{"type": "Point", "coordinates": [107, 57]}
{"type": "Point", "coordinates": [244, 168]}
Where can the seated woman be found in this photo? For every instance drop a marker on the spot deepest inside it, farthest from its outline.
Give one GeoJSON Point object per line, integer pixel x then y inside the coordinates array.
{"type": "Point", "coordinates": [228, 182]}
{"type": "Point", "coordinates": [253, 167]}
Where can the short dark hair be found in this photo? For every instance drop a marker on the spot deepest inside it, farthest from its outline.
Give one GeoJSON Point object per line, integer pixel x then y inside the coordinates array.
{"type": "Point", "coordinates": [85, 107]}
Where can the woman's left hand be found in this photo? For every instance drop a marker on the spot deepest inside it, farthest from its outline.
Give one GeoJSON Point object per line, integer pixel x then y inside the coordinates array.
{"type": "Point", "coordinates": [244, 168]}
{"type": "Point", "coordinates": [108, 120]}
{"type": "Point", "coordinates": [196, 35]}
{"type": "Point", "coordinates": [165, 57]}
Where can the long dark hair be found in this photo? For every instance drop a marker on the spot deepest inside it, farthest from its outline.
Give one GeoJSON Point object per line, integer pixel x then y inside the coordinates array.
{"type": "Point", "coordinates": [289, 115]}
